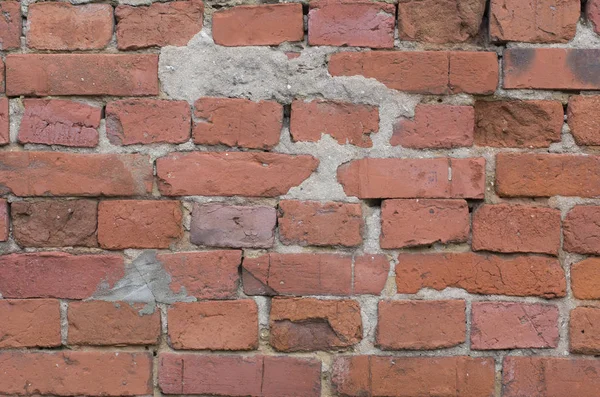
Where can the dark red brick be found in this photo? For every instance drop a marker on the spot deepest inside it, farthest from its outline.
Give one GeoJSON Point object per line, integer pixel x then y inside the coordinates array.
{"type": "Point", "coordinates": [55, 223]}
{"type": "Point", "coordinates": [526, 124]}
{"type": "Point", "coordinates": [308, 324]}
{"type": "Point", "coordinates": [439, 21]}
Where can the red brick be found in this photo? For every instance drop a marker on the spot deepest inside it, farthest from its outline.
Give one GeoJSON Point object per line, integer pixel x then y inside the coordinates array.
{"type": "Point", "coordinates": [259, 376]}
{"type": "Point", "coordinates": [370, 273]}
{"type": "Point", "coordinates": [411, 71]}
{"type": "Point", "coordinates": [420, 325]}
{"type": "Point", "coordinates": [62, 26]}
{"type": "Point", "coordinates": [139, 224]}
{"type": "Point", "coordinates": [210, 374]}
{"type": "Point", "coordinates": [306, 381]}
{"type": "Point", "coordinates": [534, 21]}
{"type": "Point", "coordinates": [71, 174]}
{"type": "Point", "coordinates": [297, 274]}
{"type": "Point", "coordinates": [584, 330]}
{"type": "Point", "coordinates": [99, 323]}
{"type": "Point", "coordinates": [219, 270]}
{"type": "Point", "coordinates": [29, 323]}
{"type": "Point", "coordinates": [585, 278]}
{"type": "Point", "coordinates": [439, 21]}
{"type": "Point", "coordinates": [481, 274]}
{"type": "Point", "coordinates": [58, 122]}
{"type": "Point", "coordinates": [581, 229]}
{"type": "Point", "coordinates": [74, 373]}
{"type": "Point", "coordinates": [422, 72]}
{"type": "Point", "coordinates": [379, 376]}
{"type": "Point", "coordinates": [58, 275]}
{"type": "Point", "coordinates": [309, 324]}
{"type": "Point", "coordinates": [526, 124]}
{"type": "Point", "coordinates": [551, 68]}
{"type": "Point", "coordinates": [232, 173]}
{"type": "Point", "coordinates": [82, 74]}
{"type": "Point", "coordinates": [546, 175]}
{"type": "Point", "coordinates": [10, 25]}
{"type": "Point", "coordinates": [221, 225]}
{"type": "Point", "coordinates": [592, 12]}
{"type": "Point", "coordinates": [473, 72]}
{"type": "Point", "coordinates": [510, 325]}
{"type": "Point", "coordinates": [584, 120]}
{"type": "Point", "coordinates": [4, 118]}
{"type": "Point", "coordinates": [145, 121]}
{"type": "Point", "coordinates": [409, 223]}
{"type": "Point", "coordinates": [436, 126]}
{"type": "Point", "coordinates": [4, 220]}
{"type": "Point", "coordinates": [237, 122]}
{"type": "Point", "coordinates": [55, 223]}
{"type": "Point", "coordinates": [265, 24]}
{"type": "Point", "coordinates": [516, 228]}
{"type": "Point", "coordinates": [229, 325]}
{"type": "Point", "coordinates": [321, 224]}
{"type": "Point", "coordinates": [159, 24]}
{"type": "Point", "coordinates": [550, 377]}
{"type": "Point", "coordinates": [413, 178]}
{"type": "Point", "coordinates": [352, 23]}
{"type": "Point", "coordinates": [347, 123]}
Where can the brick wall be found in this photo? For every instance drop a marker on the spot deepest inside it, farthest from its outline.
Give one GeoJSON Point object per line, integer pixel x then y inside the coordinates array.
{"type": "Point", "coordinates": [326, 198]}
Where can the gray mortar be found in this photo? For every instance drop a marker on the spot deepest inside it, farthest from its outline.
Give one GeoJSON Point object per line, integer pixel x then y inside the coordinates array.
{"type": "Point", "coordinates": [145, 281]}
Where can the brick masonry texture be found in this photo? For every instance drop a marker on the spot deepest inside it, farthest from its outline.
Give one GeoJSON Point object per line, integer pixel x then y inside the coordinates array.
{"type": "Point", "coordinates": [324, 198]}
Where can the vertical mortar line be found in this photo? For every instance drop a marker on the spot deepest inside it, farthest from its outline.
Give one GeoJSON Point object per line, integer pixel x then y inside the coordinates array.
{"type": "Point", "coordinates": [64, 322]}
{"type": "Point", "coordinates": [162, 345]}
